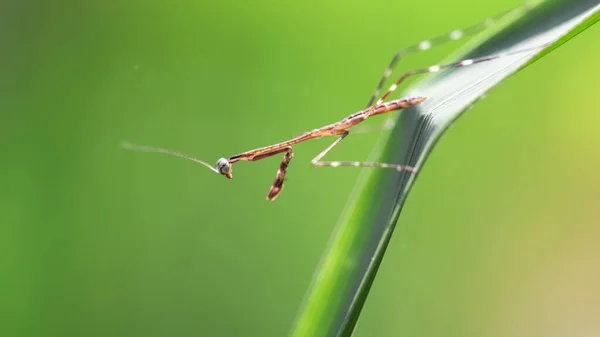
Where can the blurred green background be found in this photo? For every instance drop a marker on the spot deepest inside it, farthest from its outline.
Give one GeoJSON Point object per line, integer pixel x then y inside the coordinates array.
{"type": "Point", "coordinates": [499, 237]}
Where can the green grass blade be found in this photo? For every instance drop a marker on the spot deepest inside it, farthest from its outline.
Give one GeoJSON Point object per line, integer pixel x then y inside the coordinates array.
{"type": "Point", "coordinates": [342, 282]}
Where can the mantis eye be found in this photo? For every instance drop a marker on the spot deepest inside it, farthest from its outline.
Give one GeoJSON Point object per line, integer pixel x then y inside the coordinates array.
{"type": "Point", "coordinates": [223, 166]}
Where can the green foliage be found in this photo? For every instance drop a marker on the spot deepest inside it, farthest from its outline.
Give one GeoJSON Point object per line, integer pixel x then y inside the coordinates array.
{"type": "Point", "coordinates": [348, 270]}
{"type": "Point", "coordinates": [499, 237]}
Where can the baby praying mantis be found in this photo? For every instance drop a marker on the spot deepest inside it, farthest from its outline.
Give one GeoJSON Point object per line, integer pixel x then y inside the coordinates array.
{"type": "Point", "coordinates": [224, 165]}
{"type": "Point", "coordinates": [342, 128]}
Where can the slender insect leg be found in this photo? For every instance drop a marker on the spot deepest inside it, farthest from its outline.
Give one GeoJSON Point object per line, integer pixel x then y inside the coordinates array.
{"type": "Point", "coordinates": [388, 124]}
{"type": "Point", "coordinates": [278, 183]}
{"type": "Point", "coordinates": [462, 63]}
{"type": "Point", "coordinates": [441, 39]}
{"type": "Point", "coordinates": [317, 160]}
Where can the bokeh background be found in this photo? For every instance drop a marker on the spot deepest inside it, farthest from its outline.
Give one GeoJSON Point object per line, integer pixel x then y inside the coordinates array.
{"type": "Point", "coordinates": [98, 241]}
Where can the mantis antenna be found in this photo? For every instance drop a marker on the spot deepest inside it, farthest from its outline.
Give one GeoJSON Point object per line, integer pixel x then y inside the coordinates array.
{"type": "Point", "coordinates": [222, 164]}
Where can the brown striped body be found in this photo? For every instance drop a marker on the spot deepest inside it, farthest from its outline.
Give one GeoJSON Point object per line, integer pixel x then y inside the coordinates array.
{"type": "Point", "coordinates": [336, 129]}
